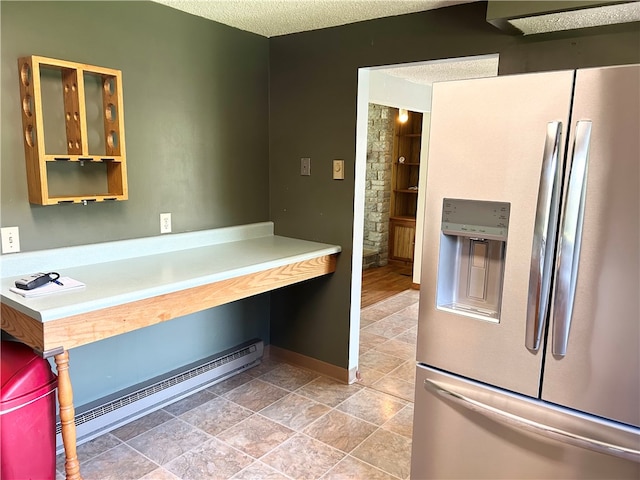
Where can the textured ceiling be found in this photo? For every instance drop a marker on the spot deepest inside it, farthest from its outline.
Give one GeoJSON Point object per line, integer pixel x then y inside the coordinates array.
{"type": "Point", "coordinates": [427, 73]}
{"type": "Point", "coordinates": [270, 18]}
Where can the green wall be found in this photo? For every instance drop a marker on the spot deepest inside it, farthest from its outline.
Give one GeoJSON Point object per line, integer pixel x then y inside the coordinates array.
{"type": "Point", "coordinates": [216, 123]}
{"type": "Point", "coordinates": [313, 94]}
{"type": "Point", "coordinates": [196, 123]}
{"type": "Point", "coordinates": [195, 105]}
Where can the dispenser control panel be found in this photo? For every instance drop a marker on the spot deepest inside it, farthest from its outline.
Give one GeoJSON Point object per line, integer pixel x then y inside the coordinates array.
{"type": "Point", "coordinates": [471, 261]}
{"type": "Point", "coordinates": [475, 218]}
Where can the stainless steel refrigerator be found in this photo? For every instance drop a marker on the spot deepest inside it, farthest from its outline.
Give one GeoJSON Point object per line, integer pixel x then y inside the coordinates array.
{"type": "Point", "coordinates": [529, 324]}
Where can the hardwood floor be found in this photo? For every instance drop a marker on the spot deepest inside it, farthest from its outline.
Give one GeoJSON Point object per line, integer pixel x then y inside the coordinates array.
{"type": "Point", "coordinates": [379, 283]}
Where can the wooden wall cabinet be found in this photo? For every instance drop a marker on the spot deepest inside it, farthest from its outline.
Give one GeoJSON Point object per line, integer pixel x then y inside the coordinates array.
{"type": "Point", "coordinates": [94, 138]}
{"type": "Point", "coordinates": [405, 173]}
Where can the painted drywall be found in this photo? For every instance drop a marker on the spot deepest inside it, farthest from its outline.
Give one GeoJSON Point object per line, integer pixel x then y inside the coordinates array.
{"type": "Point", "coordinates": [313, 100]}
{"type": "Point", "coordinates": [385, 89]}
{"type": "Point", "coordinates": [422, 197]}
{"type": "Point", "coordinates": [195, 106]}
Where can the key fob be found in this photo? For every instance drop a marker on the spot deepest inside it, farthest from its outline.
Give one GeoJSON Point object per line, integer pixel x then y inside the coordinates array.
{"type": "Point", "coordinates": [33, 281]}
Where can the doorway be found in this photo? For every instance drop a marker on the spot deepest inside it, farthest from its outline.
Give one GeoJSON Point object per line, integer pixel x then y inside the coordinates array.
{"type": "Point", "coordinates": [399, 86]}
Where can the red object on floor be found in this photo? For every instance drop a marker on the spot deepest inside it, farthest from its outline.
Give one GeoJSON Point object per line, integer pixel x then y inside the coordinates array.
{"type": "Point", "coordinates": [27, 414]}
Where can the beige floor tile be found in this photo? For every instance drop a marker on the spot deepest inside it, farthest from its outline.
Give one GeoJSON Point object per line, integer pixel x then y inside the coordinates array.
{"type": "Point", "coordinates": [160, 474]}
{"type": "Point", "coordinates": [256, 394]}
{"type": "Point", "coordinates": [388, 451]}
{"type": "Point", "coordinates": [400, 301]}
{"type": "Point", "coordinates": [372, 314]}
{"type": "Point", "coordinates": [406, 372]}
{"type": "Point", "coordinates": [389, 327]}
{"type": "Point", "coordinates": [409, 336]}
{"type": "Point", "coordinates": [351, 468]}
{"type": "Point", "coordinates": [192, 401]}
{"type": "Point", "coordinates": [402, 422]}
{"type": "Point", "coordinates": [328, 391]}
{"type": "Point", "coordinates": [369, 376]}
{"type": "Point", "coordinates": [256, 435]}
{"type": "Point", "coordinates": [370, 340]}
{"type": "Point", "coordinates": [143, 424]}
{"type": "Point", "coordinates": [231, 383]}
{"type": "Point", "coordinates": [396, 387]}
{"type": "Point", "coordinates": [412, 310]}
{"type": "Point", "coordinates": [374, 407]}
{"type": "Point", "coordinates": [382, 362]}
{"type": "Point", "coordinates": [340, 430]}
{"type": "Point", "coordinates": [168, 441]}
{"type": "Point", "coordinates": [119, 463]}
{"type": "Point", "coordinates": [288, 377]}
{"type": "Point", "coordinates": [303, 458]}
{"type": "Point", "coordinates": [91, 449]}
{"type": "Point", "coordinates": [211, 460]}
{"type": "Point", "coordinates": [295, 411]}
{"type": "Point", "coordinates": [216, 415]}
{"type": "Point", "coordinates": [406, 316]}
{"type": "Point", "coordinates": [259, 471]}
{"type": "Point", "coordinates": [398, 348]}
{"type": "Point", "coordinates": [267, 364]}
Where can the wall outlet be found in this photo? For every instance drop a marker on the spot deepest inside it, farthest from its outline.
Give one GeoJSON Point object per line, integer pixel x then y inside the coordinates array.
{"type": "Point", "coordinates": [165, 223]}
{"type": "Point", "coordinates": [305, 166]}
{"type": "Point", "coordinates": [10, 239]}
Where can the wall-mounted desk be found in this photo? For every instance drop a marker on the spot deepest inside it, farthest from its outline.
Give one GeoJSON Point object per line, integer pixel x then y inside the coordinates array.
{"type": "Point", "coordinates": [132, 284]}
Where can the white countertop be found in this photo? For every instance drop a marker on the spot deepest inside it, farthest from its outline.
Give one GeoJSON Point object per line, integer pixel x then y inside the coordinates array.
{"type": "Point", "coordinates": [131, 270]}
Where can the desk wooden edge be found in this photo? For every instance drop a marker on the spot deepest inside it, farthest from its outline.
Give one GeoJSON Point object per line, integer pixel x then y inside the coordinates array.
{"type": "Point", "coordinates": [85, 328]}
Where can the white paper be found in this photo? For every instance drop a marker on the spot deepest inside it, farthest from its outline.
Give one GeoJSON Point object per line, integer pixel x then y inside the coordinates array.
{"type": "Point", "coordinates": [50, 288]}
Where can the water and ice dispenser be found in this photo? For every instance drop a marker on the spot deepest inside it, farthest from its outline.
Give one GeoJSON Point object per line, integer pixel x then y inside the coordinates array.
{"type": "Point", "coordinates": [473, 242]}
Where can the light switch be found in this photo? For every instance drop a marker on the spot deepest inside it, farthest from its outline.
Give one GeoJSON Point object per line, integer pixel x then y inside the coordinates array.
{"type": "Point", "coordinates": [338, 169]}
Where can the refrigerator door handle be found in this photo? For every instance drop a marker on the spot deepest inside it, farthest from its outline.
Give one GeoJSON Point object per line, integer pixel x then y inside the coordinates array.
{"type": "Point", "coordinates": [518, 422]}
{"type": "Point", "coordinates": [568, 255]}
{"type": "Point", "coordinates": [544, 237]}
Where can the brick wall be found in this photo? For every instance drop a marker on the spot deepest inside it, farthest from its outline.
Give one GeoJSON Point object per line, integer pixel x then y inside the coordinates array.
{"type": "Point", "coordinates": [378, 185]}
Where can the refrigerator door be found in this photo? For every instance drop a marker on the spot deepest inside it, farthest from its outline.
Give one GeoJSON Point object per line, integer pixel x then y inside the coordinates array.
{"type": "Point", "coordinates": [488, 140]}
{"type": "Point", "coordinates": [463, 429]}
{"type": "Point", "coordinates": [593, 359]}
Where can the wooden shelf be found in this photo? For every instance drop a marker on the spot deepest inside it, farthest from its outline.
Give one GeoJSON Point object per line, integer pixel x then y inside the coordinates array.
{"type": "Point", "coordinates": [37, 72]}
{"type": "Point", "coordinates": [404, 200]}
{"type": "Point", "coordinates": [81, 158]}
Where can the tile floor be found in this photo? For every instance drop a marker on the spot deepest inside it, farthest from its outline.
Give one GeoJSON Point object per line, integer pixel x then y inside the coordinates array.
{"type": "Point", "coordinates": [278, 421]}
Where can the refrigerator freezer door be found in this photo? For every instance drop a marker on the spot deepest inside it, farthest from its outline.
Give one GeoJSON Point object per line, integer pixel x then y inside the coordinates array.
{"type": "Point", "coordinates": [454, 438]}
{"type": "Point", "coordinates": [600, 371]}
{"type": "Point", "coordinates": [487, 142]}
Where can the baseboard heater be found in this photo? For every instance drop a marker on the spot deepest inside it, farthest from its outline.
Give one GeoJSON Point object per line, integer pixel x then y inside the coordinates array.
{"type": "Point", "coordinates": [113, 411]}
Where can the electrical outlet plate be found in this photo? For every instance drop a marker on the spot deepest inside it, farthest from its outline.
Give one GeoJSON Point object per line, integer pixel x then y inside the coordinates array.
{"type": "Point", "coordinates": [165, 223]}
{"type": "Point", "coordinates": [305, 166]}
{"type": "Point", "coordinates": [10, 239]}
